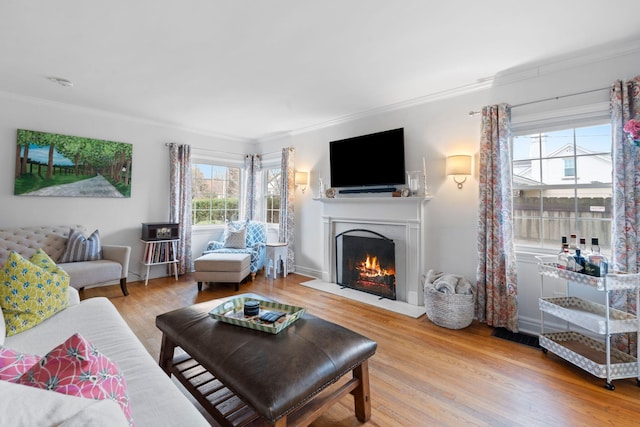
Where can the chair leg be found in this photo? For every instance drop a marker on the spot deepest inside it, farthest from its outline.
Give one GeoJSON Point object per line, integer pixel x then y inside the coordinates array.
{"type": "Point", "coordinates": [253, 276]}
{"type": "Point", "coordinates": [199, 286]}
{"type": "Point", "coordinates": [123, 286]}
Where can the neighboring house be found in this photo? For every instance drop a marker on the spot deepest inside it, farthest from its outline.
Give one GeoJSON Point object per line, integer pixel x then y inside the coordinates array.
{"type": "Point", "coordinates": [546, 199]}
{"type": "Point", "coordinates": [559, 168]}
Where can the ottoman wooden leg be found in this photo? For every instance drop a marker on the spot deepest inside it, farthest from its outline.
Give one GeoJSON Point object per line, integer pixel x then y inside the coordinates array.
{"type": "Point", "coordinates": [166, 354]}
{"type": "Point", "coordinates": [199, 286]}
{"type": "Point", "coordinates": [361, 393]}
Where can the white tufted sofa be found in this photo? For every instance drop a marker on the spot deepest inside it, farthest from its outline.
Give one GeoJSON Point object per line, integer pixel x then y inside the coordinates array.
{"type": "Point", "coordinates": [155, 399]}
{"type": "Point", "coordinates": [53, 240]}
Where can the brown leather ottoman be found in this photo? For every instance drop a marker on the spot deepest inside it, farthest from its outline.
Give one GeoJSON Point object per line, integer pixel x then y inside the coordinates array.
{"type": "Point", "coordinates": [284, 378]}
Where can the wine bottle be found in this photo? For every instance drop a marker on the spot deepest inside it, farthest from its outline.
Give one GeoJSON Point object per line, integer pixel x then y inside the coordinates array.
{"type": "Point", "coordinates": [583, 245]}
{"type": "Point", "coordinates": [563, 257]}
{"type": "Point", "coordinates": [596, 264]}
{"type": "Point", "coordinates": [579, 261]}
{"type": "Point", "coordinates": [573, 242]}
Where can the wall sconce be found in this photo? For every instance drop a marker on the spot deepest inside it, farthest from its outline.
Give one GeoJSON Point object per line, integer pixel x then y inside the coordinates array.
{"type": "Point", "coordinates": [459, 166]}
{"type": "Point", "coordinates": [301, 178]}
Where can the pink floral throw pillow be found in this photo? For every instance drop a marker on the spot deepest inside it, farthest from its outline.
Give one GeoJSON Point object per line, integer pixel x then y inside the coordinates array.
{"type": "Point", "coordinates": [76, 368]}
{"type": "Point", "coordinates": [13, 364]}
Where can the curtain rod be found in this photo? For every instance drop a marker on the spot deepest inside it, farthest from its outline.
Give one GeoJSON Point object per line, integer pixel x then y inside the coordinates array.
{"type": "Point", "coordinates": [555, 98]}
{"type": "Point", "coordinates": [173, 144]}
{"type": "Point", "coordinates": [169, 144]}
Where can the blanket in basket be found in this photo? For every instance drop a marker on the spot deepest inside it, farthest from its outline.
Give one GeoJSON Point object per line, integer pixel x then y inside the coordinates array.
{"type": "Point", "coordinates": [449, 299]}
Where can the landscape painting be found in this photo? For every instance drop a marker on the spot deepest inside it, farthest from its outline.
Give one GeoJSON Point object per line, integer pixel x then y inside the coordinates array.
{"type": "Point", "coordinates": [49, 164]}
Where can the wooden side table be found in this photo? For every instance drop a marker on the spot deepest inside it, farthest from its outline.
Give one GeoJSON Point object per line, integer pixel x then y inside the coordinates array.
{"type": "Point", "coordinates": [276, 252]}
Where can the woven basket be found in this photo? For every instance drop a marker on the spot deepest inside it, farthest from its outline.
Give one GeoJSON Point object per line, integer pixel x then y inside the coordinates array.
{"type": "Point", "coordinates": [453, 311]}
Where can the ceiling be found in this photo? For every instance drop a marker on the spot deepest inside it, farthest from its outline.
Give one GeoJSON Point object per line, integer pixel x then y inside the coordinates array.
{"type": "Point", "coordinates": [255, 69]}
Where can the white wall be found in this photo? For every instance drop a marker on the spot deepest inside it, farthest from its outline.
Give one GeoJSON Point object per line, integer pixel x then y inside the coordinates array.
{"type": "Point", "coordinates": [117, 219]}
{"type": "Point", "coordinates": [443, 127]}
{"type": "Point", "coordinates": [433, 130]}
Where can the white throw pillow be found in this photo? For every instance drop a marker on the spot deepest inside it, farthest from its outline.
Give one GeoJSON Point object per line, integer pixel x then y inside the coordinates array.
{"type": "Point", "coordinates": [235, 239]}
{"type": "Point", "coordinates": [101, 413]}
{"type": "Point", "coordinates": [54, 409]}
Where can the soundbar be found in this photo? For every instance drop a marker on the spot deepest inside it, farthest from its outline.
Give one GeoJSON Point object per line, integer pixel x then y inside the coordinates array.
{"type": "Point", "coordinates": [368, 190]}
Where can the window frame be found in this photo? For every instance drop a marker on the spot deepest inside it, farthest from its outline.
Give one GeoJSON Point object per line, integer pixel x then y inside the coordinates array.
{"type": "Point", "coordinates": [266, 194]}
{"type": "Point", "coordinates": [269, 161]}
{"type": "Point", "coordinates": [572, 168]}
{"type": "Point", "coordinates": [227, 163]}
{"type": "Point", "coordinates": [522, 126]}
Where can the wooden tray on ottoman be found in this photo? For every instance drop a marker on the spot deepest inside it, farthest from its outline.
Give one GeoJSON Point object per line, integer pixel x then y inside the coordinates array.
{"type": "Point", "coordinates": [232, 312]}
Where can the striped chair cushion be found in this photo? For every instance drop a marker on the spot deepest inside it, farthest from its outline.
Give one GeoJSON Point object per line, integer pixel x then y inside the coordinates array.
{"type": "Point", "coordinates": [80, 248]}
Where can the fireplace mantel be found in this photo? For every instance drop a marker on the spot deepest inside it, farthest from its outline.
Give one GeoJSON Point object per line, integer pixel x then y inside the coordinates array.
{"type": "Point", "coordinates": [356, 199]}
{"type": "Point", "coordinates": [404, 216]}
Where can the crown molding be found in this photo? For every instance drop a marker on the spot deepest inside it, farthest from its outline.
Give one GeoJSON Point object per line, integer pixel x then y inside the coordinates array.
{"type": "Point", "coordinates": [436, 96]}
{"type": "Point", "coordinates": [119, 116]}
{"type": "Point", "coordinates": [513, 75]}
{"type": "Point", "coordinates": [574, 60]}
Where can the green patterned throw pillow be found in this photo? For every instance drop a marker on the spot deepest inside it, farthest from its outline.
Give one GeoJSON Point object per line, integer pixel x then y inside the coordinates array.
{"type": "Point", "coordinates": [29, 294]}
{"type": "Point", "coordinates": [42, 260]}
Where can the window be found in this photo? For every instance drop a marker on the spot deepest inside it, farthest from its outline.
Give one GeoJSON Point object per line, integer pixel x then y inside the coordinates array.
{"type": "Point", "coordinates": [215, 193]}
{"type": "Point", "coordinates": [562, 182]}
{"type": "Point", "coordinates": [569, 167]}
{"type": "Point", "coordinates": [272, 194]}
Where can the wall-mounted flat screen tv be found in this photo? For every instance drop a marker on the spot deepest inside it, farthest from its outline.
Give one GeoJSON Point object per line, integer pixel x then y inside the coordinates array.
{"type": "Point", "coordinates": [374, 160]}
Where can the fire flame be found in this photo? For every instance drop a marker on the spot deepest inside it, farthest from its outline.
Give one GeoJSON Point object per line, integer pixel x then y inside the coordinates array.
{"type": "Point", "coordinates": [371, 268]}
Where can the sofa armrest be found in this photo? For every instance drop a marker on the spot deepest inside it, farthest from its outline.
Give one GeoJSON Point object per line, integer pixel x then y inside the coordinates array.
{"type": "Point", "coordinates": [73, 295]}
{"type": "Point", "coordinates": [119, 254]}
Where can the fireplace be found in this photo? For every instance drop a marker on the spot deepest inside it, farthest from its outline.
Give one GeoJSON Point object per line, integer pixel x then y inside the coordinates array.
{"type": "Point", "coordinates": [365, 260]}
{"type": "Point", "coordinates": [401, 219]}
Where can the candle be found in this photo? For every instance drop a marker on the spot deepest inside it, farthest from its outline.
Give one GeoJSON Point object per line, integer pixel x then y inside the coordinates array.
{"type": "Point", "coordinates": [424, 166]}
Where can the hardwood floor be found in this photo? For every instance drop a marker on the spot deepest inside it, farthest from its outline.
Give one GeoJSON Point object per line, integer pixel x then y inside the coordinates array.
{"type": "Point", "coordinates": [422, 374]}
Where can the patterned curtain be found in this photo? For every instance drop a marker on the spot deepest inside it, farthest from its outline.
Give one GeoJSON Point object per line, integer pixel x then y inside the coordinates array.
{"type": "Point", "coordinates": [253, 189]}
{"type": "Point", "coordinates": [180, 201]}
{"type": "Point", "coordinates": [287, 217]}
{"type": "Point", "coordinates": [625, 105]}
{"type": "Point", "coordinates": [496, 276]}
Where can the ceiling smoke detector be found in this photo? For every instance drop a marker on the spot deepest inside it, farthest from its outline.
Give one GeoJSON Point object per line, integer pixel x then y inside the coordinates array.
{"type": "Point", "coordinates": [61, 82]}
